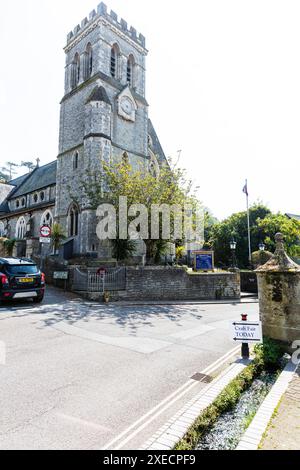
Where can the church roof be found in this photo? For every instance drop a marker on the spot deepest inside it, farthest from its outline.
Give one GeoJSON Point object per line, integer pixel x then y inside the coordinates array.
{"type": "Point", "coordinates": [155, 145]}
{"type": "Point", "coordinates": [99, 94]}
{"type": "Point", "coordinates": [4, 207]}
{"type": "Point", "coordinates": [18, 181]}
{"type": "Point", "coordinates": [293, 216]}
{"type": "Point", "coordinates": [39, 178]}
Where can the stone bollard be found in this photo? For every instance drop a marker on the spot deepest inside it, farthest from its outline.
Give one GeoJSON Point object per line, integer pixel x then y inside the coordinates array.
{"type": "Point", "coordinates": [279, 297]}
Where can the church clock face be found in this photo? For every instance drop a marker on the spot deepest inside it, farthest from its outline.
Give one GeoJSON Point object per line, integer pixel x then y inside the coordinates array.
{"type": "Point", "coordinates": [127, 106]}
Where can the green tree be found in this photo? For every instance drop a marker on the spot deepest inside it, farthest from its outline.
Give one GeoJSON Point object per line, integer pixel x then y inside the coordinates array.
{"type": "Point", "coordinates": [123, 249]}
{"type": "Point", "coordinates": [29, 165]}
{"type": "Point", "coordinates": [4, 176]}
{"type": "Point", "coordinates": [274, 223]}
{"type": "Point", "coordinates": [264, 226]}
{"type": "Point", "coordinates": [236, 227]}
{"type": "Point", "coordinates": [8, 171]}
{"type": "Point", "coordinates": [140, 186]}
{"type": "Point", "coordinates": [57, 236]}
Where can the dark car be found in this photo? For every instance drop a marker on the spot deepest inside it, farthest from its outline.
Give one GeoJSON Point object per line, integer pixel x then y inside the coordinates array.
{"type": "Point", "coordinates": [21, 279]}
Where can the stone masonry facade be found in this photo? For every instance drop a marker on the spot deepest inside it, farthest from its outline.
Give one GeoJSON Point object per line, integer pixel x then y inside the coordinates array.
{"type": "Point", "coordinates": [103, 118]}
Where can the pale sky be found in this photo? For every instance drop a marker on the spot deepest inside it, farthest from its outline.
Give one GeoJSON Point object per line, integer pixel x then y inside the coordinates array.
{"type": "Point", "coordinates": [223, 84]}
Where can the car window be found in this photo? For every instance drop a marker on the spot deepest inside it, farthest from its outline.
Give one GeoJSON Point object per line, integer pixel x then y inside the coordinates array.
{"type": "Point", "coordinates": [22, 269]}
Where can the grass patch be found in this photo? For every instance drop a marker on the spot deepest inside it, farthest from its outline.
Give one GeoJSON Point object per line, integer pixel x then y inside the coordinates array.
{"type": "Point", "coordinates": [267, 356]}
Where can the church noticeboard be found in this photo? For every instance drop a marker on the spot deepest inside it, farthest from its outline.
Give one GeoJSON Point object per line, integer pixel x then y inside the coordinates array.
{"type": "Point", "coordinates": [204, 261]}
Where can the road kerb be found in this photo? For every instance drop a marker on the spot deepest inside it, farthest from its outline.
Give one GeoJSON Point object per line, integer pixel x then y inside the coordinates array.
{"type": "Point", "coordinates": [175, 429]}
{"type": "Point", "coordinates": [264, 415]}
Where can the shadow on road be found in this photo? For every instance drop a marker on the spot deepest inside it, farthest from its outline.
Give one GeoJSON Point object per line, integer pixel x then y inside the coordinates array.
{"type": "Point", "coordinates": [59, 306]}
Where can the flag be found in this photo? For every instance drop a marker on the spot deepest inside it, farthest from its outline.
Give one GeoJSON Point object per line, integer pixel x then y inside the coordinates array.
{"type": "Point", "coordinates": [245, 189]}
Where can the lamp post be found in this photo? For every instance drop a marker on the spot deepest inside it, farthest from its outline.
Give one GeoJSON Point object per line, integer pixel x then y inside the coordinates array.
{"type": "Point", "coordinates": [262, 248]}
{"type": "Point", "coordinates": [233, 255]}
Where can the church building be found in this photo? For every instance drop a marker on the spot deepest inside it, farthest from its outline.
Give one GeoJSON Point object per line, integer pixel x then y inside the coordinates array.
{"type": "Point", "coordinates": [103, 118]}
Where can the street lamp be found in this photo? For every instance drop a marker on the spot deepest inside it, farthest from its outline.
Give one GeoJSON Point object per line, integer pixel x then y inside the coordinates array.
{"type": "Point", "coordinates": [233, 245]}
{"type": "Point", "coordinates": [262, 248]}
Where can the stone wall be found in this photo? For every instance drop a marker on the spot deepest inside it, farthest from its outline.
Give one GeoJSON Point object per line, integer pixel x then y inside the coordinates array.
{"type": "Point", "coordinates": [160, 283]}
{"type": "Point", "coordinates": [279, 297]}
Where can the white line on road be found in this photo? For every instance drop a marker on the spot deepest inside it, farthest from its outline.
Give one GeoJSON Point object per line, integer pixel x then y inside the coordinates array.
{"type": "Point", "coordinates": [165, 404]}
{"type": "Point", "coordinates": [140, 420]}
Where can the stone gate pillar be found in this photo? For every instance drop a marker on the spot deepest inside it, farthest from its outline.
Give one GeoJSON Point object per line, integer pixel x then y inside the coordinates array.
{"type": "Point", "coordinates": [279, 297]}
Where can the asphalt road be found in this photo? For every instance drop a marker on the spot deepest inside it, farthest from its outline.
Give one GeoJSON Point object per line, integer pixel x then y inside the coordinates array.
{"type": "Point", "coordinates": [81, 375]}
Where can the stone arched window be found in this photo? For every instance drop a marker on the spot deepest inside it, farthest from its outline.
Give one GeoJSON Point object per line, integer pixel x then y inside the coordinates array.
{"type": "Point", "coordinates": [75, 161]}
{"type": "Point", "coordinates": [21, 229]}
{"type": "Point", "coordinates": [88, 62]}
{"type": "Point", "coordinates": [75, 71]}
{"type": "Point", "coordinates": [114, 60]}
{"type": "Point", "coordinates": [2, 229]}
{"type": "Point", "coordinates": [89, 57]}
{"type": "Point", "coordinates": [47, 218]}
{"type": "Point", "coordinates": [130, 70]}
{"type": "Point", "coordinates": [73, 220]}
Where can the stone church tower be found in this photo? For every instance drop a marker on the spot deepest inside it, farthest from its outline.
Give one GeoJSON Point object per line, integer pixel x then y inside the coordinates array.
{"type": "Point", "coordinates": [104, 116]}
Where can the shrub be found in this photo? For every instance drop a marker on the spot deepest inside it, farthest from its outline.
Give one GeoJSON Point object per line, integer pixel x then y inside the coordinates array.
{"type": "Point", "coordinates": [269, 353]}
{"type": "Point", "coordinates": [259, 258]}
{"type": "Point", "coordinates": [123, 249]}
{"type": "Point", "coordinates": [8, 244]}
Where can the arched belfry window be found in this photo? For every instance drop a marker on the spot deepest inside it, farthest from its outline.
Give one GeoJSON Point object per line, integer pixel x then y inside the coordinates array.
{"type": "Point", "coordinates": [73, 221]}
{"type": "Point", "coordinates": [88, 61]}
{"type": "Point", "coordinates": [130, 70]}
{"type": "Point", "coordinates": [21, 229]}
{"type": "Point", "coordinates": [75, 71]}
{"type": "Point", "coordinates": [114, 61]}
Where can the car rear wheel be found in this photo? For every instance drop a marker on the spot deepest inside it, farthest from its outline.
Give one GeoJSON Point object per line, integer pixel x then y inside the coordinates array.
{"type": "Point", "coordinates": [38, 300]}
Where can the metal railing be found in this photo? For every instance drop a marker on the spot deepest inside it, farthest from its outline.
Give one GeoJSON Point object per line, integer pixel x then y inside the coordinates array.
{"type": "Point", "coordinates": [91, 281]}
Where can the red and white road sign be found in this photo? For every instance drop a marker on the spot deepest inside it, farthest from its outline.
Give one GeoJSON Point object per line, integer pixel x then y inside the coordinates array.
{"type": "Point", "coordinates": [45, 231]}
{"type": "Point", "coordinates": [102, 272]}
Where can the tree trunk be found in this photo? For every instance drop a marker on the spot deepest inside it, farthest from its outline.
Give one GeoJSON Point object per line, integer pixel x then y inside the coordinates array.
{"type": "Point", "coordinates": [150, 250]}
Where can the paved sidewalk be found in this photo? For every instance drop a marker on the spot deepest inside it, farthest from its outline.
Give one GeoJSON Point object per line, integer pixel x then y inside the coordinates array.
{"type": "Point", "coordinates": [284, 430]}
{"type": "Point", "coordinates": [243, 300]}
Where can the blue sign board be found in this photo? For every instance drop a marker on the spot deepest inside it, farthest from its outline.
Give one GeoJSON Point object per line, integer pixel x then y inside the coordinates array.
{"type": "Point", "coordinates": [204, 261]}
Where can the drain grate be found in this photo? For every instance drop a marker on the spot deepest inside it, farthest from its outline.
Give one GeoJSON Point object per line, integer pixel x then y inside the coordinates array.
{"type": "Point", "coordinates": [202, 378]}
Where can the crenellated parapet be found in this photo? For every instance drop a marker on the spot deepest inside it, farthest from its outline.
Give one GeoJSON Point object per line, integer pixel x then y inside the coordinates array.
{"type": "Point", "coordinates": [113, 19]}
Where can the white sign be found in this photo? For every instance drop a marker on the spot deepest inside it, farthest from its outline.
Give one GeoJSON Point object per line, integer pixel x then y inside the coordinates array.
{"type": "Point", "coordinates": [45, 231]}
{"type": "Point", "coordinates": [247, 332]}
{"type": "Point", "coordinates": [45, 240]}
{"type": "Point", "coordinates": [61, 275]}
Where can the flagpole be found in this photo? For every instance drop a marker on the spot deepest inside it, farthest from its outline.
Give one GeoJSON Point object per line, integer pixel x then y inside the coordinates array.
{"type": "Point", "coordinates": [248, 220]}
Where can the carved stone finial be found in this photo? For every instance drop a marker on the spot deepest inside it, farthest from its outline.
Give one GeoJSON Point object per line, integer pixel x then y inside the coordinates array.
{"type": "Point", "coordinates": [280, 261]}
